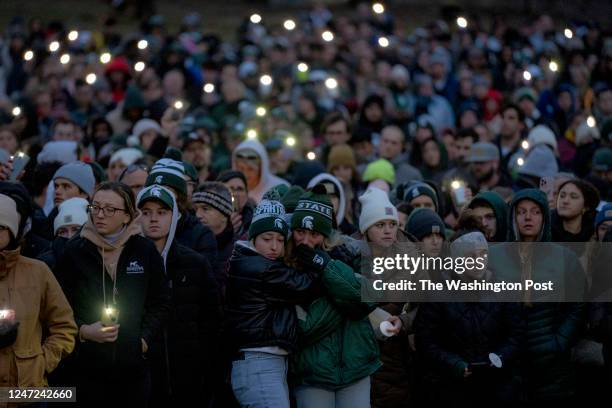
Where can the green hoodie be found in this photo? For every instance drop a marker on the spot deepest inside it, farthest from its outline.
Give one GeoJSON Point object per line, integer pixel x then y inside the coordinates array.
{"type": "Point", "coordinates": [538, 197]}
{"type": "Point", "coordinates": [500, 209]}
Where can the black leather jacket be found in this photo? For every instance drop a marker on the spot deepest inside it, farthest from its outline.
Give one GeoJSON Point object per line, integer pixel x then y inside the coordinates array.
{"type": "Point", "coordinates": [261, 297]}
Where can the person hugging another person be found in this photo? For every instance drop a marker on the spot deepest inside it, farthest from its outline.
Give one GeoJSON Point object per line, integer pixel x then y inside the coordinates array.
{"type": "Point", "coordinates": [261, 318]}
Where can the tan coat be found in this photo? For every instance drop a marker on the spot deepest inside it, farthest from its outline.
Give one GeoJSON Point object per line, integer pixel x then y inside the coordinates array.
{"type": "Point", "coordinates": [29, 288]}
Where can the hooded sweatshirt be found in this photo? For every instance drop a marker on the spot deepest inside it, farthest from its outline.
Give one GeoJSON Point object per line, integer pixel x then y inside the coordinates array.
{"type": "Point", "coordinates": [538, 197]}
{"type": "Point", "coordinates": [111, 250]}
{"type": "Point", "coordinates": [267, 180]}
{"type": "Point", "coordinates": [328, 178]}
{"type": "Point", "coordinates": [552, 328]}
{"type": "Point", "coordinates": [500, 209]}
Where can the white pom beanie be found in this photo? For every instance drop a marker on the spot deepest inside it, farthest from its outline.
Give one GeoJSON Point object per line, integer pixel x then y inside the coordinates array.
{"type": "Point", "coordinates": [127, 155]}
{"type": "Point", "coordinates": [71, 212]}
{"type": "Point", "coordinates": [375, 206]}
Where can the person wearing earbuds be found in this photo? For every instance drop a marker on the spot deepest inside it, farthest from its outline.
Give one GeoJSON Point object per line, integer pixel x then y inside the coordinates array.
{"type": "Point", "coordinates": [114, 280]}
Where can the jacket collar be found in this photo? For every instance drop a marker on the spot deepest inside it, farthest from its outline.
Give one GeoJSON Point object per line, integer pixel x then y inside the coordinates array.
{"type": "Point", "coordinates": [90, 233]}
{"type": "Point", "coordinates": [8, 260]}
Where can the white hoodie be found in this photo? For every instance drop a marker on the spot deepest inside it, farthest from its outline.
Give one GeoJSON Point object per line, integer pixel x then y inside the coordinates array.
{"type": "Point", "coordinates": [326, 177]}
{"type": "Point", "coordinates": [267, 180]}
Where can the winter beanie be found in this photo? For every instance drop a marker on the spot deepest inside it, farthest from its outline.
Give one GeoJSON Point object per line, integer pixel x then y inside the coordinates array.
{"type": "Point", "coordinates": [380, 169]}
{"type": "Point", "coordinates": [423, 222]}
{"type": "Point", "coordinates": [127, 156]}
{"type": "Point", "coordinates": [417, 190]}
{"type": "Point", "coordinates": [170, 173]}
{"type": "Point", "coordinates": [78, 173]}
{"type": "Point", "coordinates": [71, 212]}
{"type": "Point", "coordinates": [167, 197]}
{"type": "Point", "coordinates": [341, 155]}
{"type": "Point", "coordinates": [314, 212]}
{"type": "Point", "coordinates": [269, 216]}
{"type": "Point", "coordinates": [541, 134]}
{"type": "Point", "coordinates": [9, 217]}
{"type": "Point", "coordinates": [375, 207]}
{"type": "Point", "coordinates": [216, 195]}
{"type": "Point", "coordinates": [540, 162]}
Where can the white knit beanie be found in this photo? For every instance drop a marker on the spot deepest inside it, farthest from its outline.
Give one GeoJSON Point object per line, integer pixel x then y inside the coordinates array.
{"type": "Point", "coordinates": [71, 212]}
{"type": "Point", "coordinates": [9, 217]}
{"type": "Point", "coordinates": [127, 155]}
{"type": "Point", "coordinates": [541, 134]}
{"type": "Point", "coordinates": [375, 206]}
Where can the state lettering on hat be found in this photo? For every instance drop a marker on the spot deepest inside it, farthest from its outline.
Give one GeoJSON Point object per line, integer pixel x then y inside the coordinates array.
{"type": "Point", "coordinates": [314, 212]}
{"type": "Point", "coordinates": [269, 216]}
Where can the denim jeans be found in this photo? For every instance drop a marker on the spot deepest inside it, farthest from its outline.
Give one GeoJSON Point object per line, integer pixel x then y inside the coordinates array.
{"type": "Point", "coordinates": [355, 395]}
{"type": "Point", "coordinates": [260, 380]}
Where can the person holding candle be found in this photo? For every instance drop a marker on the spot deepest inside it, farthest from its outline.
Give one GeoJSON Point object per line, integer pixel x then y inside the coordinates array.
{"type": "Point", "coordinates": [31, 303]}
{"type": "Point", "coordinates": [114, 280]}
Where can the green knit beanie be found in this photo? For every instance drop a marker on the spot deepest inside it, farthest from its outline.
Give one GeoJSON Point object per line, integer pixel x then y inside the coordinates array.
{"type": "Point", "coordinates": [269, 216]}
{"type": "Point", "coordinates": [314, 212]}
{"type": "Point", "coordinates": [169, 173]}
{"type": "Point", "coordinates": [380, 169]}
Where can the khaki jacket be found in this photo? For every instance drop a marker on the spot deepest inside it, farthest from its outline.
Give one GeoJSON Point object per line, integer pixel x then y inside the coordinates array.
{"type": "Point", "coordinates": [28, 287]}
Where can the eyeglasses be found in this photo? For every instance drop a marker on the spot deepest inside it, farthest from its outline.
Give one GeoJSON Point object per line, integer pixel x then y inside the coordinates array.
{"type": "Point", "coordinates": [108, 211]}
{"type": "Point", "coordinates": [250, 159]}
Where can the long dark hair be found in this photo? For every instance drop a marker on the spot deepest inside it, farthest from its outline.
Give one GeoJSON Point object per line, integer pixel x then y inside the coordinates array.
{"type": "Point", "coordinates": [124, 192]}
{"type": "Point", "coordinates": [589, 193]}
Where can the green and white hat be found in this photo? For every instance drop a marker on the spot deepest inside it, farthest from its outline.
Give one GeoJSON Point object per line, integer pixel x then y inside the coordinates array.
{"type": "Point", "coordinates": [166, 197]}
{"type": "Point", "coordinates": [269, 216]}
{"type": "Point", "coordinates": [170, 173]}
{"type": "Point", "coordinates": [314, 212]}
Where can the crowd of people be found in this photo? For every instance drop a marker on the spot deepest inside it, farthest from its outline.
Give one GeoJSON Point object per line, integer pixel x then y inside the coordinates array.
{"type": "Point", "coordinates": [185, 217]}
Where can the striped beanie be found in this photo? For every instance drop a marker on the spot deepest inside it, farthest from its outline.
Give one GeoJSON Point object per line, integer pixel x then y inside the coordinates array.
{"type": "Point", "coordinates": [169, 173]}
{"type": "Point", "coordinates": [269, 216]}
{"type": "Point", "coordinates": [216, 195]}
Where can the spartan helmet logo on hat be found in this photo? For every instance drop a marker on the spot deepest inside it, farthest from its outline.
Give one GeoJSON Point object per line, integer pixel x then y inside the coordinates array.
{"type": "Point", "coordinates": [156, 192]}
{"type": "Point", "coordinates": [307, 222]}
{"type": "Point", "coordinates": [278, 223]}
{"type": "Point", "coordinates": [159, 179]}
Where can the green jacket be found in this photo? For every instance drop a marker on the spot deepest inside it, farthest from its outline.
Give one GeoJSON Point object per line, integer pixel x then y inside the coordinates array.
{"type": "Point", "coordinates": [552, 328]}
{"type": "Point", "coordinates": [336, 343]}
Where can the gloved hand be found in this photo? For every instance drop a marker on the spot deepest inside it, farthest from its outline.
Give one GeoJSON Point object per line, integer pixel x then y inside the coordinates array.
{"type": "Point", "coordinates": [309, 258]}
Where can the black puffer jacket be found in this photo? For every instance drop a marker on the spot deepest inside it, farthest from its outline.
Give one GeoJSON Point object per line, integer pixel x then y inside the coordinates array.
{"type": "Point", "coordinates": [195, 235]}
{"type": "Point", "coordinates": [449, 336]}
{"type": "Point", "coordinates": [260, 298]}
{"type": "Point", "coordinates": [191, 339]}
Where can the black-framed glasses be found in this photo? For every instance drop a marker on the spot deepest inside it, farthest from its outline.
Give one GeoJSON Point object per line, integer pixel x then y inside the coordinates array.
{"type": "Point", "coordinates": [107, 211]}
